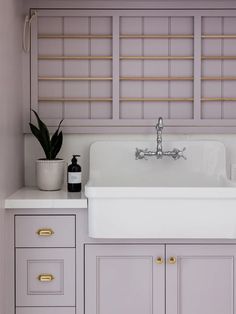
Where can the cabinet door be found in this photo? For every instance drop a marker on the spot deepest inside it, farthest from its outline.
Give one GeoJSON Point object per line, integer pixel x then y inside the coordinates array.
{"type": "Point", "coordinates": [201, 280]}
{"type": "Point", "coordinates": [124, 279]}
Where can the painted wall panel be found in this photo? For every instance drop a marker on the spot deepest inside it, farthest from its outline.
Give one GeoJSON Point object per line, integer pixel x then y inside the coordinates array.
{"type": "Point", "coordinates": [11, 137]}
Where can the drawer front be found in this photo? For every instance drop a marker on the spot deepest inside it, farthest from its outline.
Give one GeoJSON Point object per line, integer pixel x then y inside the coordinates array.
{"type": "Point", "coordinates": [45, 277]}
{"type": "Point", "coordinates": [45, 310]}
{"type": "Point", "coordinates": [45, 231]}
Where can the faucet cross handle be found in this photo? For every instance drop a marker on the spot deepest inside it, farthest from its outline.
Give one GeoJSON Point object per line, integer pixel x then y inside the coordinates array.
{"type": "Point", "coordinates": [140, 153]}
{"type": "Point", "coordinates": [179, 153]}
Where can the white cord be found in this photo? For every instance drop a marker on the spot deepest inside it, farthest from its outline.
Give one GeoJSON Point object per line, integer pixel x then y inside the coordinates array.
{"type": "Point", "coordinates": [26, 31]}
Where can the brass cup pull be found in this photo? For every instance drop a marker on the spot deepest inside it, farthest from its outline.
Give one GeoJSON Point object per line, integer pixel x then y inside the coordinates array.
{"type": "Point", "coordinates": [172, 260]}
{"type": "Point", "coordinates": [45, 277]}
{"type": "Point", "coordinates": [159, 260]}
{"type": "Point", "coordinates": [45, 232]}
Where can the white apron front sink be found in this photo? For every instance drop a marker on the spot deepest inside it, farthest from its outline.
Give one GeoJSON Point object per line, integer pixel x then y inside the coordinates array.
{"type": "Point", "coordinates": [152, 198]}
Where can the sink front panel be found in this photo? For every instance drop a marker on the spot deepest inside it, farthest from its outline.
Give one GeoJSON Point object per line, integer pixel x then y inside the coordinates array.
{"type": "Point", "coordinates": [162, 218]}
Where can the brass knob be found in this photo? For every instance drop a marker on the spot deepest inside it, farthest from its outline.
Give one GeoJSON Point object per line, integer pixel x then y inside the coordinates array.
{"type": "Point", "coordinates": [172, 260]}
{"type": "Point", "coordinates": [45, 232]}
{"type": "Point", "coordinates": [159, 260]}
{"type": "Point", "coordinates": [45, 277]}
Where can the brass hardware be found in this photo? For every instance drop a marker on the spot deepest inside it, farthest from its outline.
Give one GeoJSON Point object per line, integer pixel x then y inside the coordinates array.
{"type": "Point", "coordinates": [49, 99]}
{"type": "Point", "coordinates": [219, 36]}
{"type": "Point", "coordinates": [50, 78]}
{"type": "Point", "coordinates": [137, 78]}
{"type": "Point", "coordinates": [155, 36]}
{"type": "Point", "coordinates": [55, 36]}
{"type": "Point", "coordinates": [134, 36]}
{"type": "Point", "coordinates": [45, 232]}
{"type": "Point", "coordinates": [150, 78]}
{"type": "Point", "coordinates": [45, 277]}
{"type": "Point", "coordinates": [177, 78]}
{"type": "Point", "coordinates": [218, 57]}
{"type": "Point", "coordinates": [128, 99]}
{"type": "Point", "coordinates": [160, 260]}
{"type": "Point", "coordinates": [47, 57]}
{"type": "Point", "coordinates": [156, 99]}
{"type": "Point", "coordinates": [172, 260]}
{"type": "Point", "coordinates": [218, 99]}
{"type": "Point", "coordinates": [156, 57]}
{"type": "Point", "coordinates": [219, 78]}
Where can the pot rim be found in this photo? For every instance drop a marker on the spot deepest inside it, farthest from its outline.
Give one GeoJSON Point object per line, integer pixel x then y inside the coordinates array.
{"type": "Point", "coordinates": [42, 160]}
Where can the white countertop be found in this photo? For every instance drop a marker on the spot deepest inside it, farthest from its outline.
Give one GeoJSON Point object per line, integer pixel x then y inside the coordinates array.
{"type": "Point", "coordinates": [29, 197]}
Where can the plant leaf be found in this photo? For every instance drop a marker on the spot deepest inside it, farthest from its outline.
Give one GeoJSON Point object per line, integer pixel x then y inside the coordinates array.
{"type": "Point", "coordinates": [45, 137]}
{"type": "Point", "coordinates": [36, 132]}
{"type": "Point", "coordinates": [55, 135]}
{"type": "Point", "coordinates": [56, 147]}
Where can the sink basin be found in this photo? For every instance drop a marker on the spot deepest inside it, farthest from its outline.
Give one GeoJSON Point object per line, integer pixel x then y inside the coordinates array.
{"type": "Point", "coordinates": [164, 198]}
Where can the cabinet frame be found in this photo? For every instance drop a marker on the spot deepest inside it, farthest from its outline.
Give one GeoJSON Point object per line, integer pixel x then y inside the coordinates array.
{"type": "Point", "coordinates": [116, 124]}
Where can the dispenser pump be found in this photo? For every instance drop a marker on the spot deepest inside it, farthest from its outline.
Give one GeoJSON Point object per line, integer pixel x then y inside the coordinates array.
{"type": "Point", "coordinates": [74, 159]}
{"type": "Point", "coordinates": [74, 175]}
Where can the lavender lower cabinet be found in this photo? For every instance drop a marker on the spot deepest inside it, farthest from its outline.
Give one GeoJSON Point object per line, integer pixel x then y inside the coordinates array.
{"type": "Point", "coordinates": [125, 279]}
{"type": "Point", "coordinates": [45, 277]}
{"type": "Point", "coordinates": [30, 231]}
{"type": "Point", "coordinates": [201, 280]}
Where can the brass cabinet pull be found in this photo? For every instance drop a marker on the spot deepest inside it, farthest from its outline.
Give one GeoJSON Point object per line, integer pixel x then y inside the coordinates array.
{"type": "Point", "coordinates": [172, 260]}
{"type": "Point", "coordinates": [45, 277]}
{"type": "Point", "coordinates": [159, 260]}
{"type": "Point", "coordinates": [45, 232]}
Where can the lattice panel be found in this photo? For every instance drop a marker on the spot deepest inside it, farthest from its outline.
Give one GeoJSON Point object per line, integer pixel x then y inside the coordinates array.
{"type": "Point", "coordinates": [75, 65]}
{"type": "Point", "coordinates": [219, 46]}
{"type": "Point", "coordinates": [156, 72]}
{"type": "Point", "coordinates": [125, 68]}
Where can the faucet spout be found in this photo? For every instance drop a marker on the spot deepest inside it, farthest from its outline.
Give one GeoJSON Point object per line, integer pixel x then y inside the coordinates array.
{"type": "Point", "coordinates": [159, 153]}
{"type": "Point", "coordinates": [160, 124]}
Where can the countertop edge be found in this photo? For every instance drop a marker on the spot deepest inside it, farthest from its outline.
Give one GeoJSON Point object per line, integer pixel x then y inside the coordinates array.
{"type": "Point", "coordinates": [31, 198]}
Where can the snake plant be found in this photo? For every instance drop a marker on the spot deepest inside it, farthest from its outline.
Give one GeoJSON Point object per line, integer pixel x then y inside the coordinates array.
{"type": "Point", "coordinates": [51, 145]}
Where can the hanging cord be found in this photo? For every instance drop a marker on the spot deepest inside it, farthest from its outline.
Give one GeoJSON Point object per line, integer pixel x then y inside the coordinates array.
{"type": "Point", "coordinates": [26, 31]}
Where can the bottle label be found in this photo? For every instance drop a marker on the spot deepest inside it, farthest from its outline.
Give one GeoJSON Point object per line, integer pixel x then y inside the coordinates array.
{"type": "Point", "coordinates": [74, 177]}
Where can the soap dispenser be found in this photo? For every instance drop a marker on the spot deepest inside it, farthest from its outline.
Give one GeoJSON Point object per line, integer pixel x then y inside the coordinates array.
{"type": "Point", "coordinates": [74, 175]}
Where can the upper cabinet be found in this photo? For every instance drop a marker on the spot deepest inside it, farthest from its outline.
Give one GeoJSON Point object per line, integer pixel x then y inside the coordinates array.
{"type": "Point", "coordinates": [119, 70]}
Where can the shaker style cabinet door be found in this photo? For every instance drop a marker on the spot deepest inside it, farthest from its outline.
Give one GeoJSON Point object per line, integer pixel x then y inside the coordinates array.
{"type": "Point", "coordinates": [124, 279]}
{"type": "Point", "coordinates": [200, 279]}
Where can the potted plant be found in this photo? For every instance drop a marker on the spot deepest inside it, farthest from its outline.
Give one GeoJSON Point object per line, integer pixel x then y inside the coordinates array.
{"type": "Point", "coordinates": [49, 170]}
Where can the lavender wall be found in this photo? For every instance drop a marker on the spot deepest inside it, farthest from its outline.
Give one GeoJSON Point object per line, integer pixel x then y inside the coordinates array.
{"type": "Point", "coordinates": [11, 138]}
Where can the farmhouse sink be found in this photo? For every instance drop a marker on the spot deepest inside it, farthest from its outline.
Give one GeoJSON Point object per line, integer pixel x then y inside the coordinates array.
{"type": "Point", "coordinates": [160, 198]}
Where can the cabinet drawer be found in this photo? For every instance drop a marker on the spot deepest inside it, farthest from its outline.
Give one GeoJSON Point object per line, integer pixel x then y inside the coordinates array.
{"type": "Point", "coordinates": [45, 277]}
{"type": "Point", "coordinates": [45, 310]}
{"type": "Point", "coordinates": [45, 231]}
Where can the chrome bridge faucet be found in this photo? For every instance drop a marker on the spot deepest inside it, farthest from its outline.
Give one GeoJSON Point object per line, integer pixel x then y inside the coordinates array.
{"type": "Point", "coordinates": [159, 153]}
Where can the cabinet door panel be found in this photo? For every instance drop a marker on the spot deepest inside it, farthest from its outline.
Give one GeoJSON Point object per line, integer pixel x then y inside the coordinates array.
{"type": "Point", "coordinates": [124, 279]}
{"type": "Point", "coordinates": [202, 279]}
